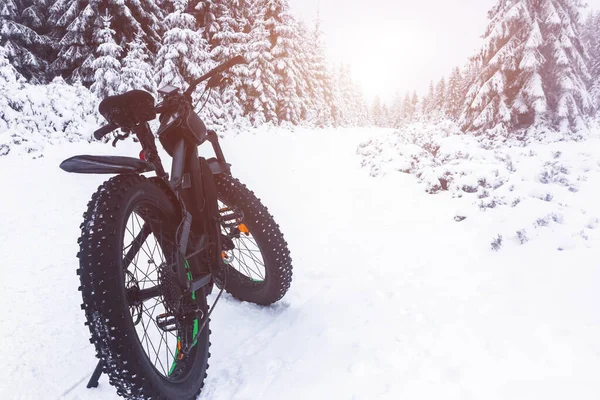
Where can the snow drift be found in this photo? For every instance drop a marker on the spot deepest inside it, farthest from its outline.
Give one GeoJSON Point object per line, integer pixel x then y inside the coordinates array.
{"type": "Point", "coordinates": [523, 193]}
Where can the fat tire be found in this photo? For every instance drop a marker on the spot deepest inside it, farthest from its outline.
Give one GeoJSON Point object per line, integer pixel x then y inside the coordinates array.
{"type": "Point", "coordinates": [270, 240]}
{"type": "Point", "coordinates": [102, 285]}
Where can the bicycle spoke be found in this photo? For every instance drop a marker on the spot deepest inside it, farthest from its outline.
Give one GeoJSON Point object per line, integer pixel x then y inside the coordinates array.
{"type": "Point", "coordinates": [246, 265]}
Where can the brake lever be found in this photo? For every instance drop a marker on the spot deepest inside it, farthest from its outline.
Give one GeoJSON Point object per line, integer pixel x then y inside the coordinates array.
{"type": "Point", "coordinates": [120, 137]}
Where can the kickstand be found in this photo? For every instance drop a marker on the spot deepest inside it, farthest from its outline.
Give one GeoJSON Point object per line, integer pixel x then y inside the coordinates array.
{"type": "Point", "coordinates": [93, 382]}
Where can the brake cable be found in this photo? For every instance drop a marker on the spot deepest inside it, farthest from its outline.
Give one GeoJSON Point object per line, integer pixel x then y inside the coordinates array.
{"type": "Point", "coordinates": [206, 89]}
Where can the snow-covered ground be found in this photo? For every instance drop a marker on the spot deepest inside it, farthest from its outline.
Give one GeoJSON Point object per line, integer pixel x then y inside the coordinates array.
{"type": "Point", "coordinates": [545, 191]}
{"type": "Point", "coordinates": [391, 298]}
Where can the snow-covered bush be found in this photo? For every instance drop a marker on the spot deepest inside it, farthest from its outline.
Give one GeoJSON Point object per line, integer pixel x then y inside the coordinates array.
{"type": "Point", "coordinates": [525, 191]}
{"type": "Point", "coordinates": [34, 115]}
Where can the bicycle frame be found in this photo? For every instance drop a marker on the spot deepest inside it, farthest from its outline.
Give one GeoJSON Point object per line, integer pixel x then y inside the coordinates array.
{"type": "Point", "coordinates": [184, 182]}
{"type": "Point", "coordinates": [187, 184]}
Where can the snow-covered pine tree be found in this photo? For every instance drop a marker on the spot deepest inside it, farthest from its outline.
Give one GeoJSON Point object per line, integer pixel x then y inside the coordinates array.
{"type": "Point", "coordinates": [396, 116]}
{"type": "Point", "coordinates": [70, 42]}
{"type": "Point", "coordinates": [9, 83]}
{"type": "Point", "coordinates": [22, 29]}
{"type": "Point", "coordinates": [137, 72]}
{"type": "Point", "coordinates": [230, 40]}
{"type": "Point", "coordinates": [376, 111]}
{"type": "Point", "coordinates": [75, 25]}
{"type": "Point", "coordinates": [302, 59]}
{"type": "Point", "coordinates": [454, 96]}
{"type": "Point", "coordinates": [439, 105]}
{"type": "Point", "coordinates": [285, 43]}
{"type": "Point", "coordinates": [262, 78]}
{"type": "Point", "coordinates": [385, 116]}
{"type": "Point", "coordinates": [336, 100]}
{"type": "Point", "coordinates": [591, 38]}
{"type": "Point", "coordinates": [343, 95]}
{"type": "Point", "coordinates": [184, 54]}
{"type": "Point", "coordinates": [416, 107]}
{"type": "Point", "coordinates": [407, 109]}
{"type": "Point", "coordinates": [359, 109]}
{"type": "Point", "coordinates": [209, 13]}
{"type": "Point", "coordinates": [106, 66]}
{"type": "Point", "coordinates": [470, 73]}
{"type": "Point", "coordinates": [320, 108]}
{"type": "Point", "coordinates": [8, 74]}
{"type": "Point", "coordinates": [428, 104]}
{"type": "Point", "coordinates": [353, 110]}
{"type": "Point", "coordinates": [533, 69]}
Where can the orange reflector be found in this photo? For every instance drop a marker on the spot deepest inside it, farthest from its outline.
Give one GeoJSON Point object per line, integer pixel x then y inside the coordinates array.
{"type": "Point", "coordinates": [223, 255]}
{"type": "Point", "coordinates": [244, 229]}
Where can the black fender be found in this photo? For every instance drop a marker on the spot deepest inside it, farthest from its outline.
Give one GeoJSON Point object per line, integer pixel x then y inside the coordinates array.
{"type": "Point", "coordinates": [86, 164]}
{"type": "Point", "coordinates": [218, 167]}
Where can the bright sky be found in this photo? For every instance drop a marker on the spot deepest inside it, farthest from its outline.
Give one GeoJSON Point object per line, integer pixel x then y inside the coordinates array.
{"type": "Point", "coordinates": [399, 44]}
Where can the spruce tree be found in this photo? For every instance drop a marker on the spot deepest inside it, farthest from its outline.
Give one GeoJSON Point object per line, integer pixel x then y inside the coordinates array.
{"type": "Point", "coordinates": [262, 77]}
{"type": "Point", "coordinates": [440, 98]}
{"type": "Point", "coordinates": [416, 107]}
{"type": "Point", "coordinates": [106, 66]}
{"type": "Point", "coordinates": [137, 72]}
{"type": "Point", "coordinates": [532, 69]}
{"type": "Point", "coordinates": [22, 29]}
{"type": "Point", "coordinates": [396, 111]}
{"type": "Point", "coordinates": [319, 81]}
{"type": "Point", "coordinates": [304, 83]}
{"type": "Point", "coordinates": [71, 43]}
{"type": "Point", "coordinates": [591, 37]}
{"type": "Point", "coordinates": [429, 101]}
{"type": "Point", "coordinates": [454, 96]}
{"type": "Point", "coordinates": [376, 111]}
{"type": "Point", "coordinates": [76, 25]}
{"type": "Point", "coordinates": [209, 14]}
{"type": "Point", "coordinates": [9, 84]}
{"type": "Point", "coordinates": [407, 109]}
{"type": "Point", "coordinates": [184, 54]}
{"type": "Point", "coordinates": [359, 109]}
{"type": "Point", "coordinates": [284, 39]}
{"type": "Point", "coordinates": [230, 40]}
{"type": "Point", "coordinates": [385, 116]}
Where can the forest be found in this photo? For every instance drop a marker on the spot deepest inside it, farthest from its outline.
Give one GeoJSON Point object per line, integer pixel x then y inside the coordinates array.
{"type": "Point", "coordinates": [537, 70]}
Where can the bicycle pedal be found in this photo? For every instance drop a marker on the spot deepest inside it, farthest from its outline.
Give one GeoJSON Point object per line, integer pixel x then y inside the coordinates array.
{"type": "Point", "coordinates": [231, 218]}
{"type": "Point", "coordinates": [167, 322]}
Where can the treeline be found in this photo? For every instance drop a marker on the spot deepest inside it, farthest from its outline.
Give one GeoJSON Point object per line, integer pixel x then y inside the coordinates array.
{"type": "Point", "coordinates": [443, 100]}
{"type": "Point", "coordinates": [539, 67]}
{"type": "Point", "coordinates": [114, 46]}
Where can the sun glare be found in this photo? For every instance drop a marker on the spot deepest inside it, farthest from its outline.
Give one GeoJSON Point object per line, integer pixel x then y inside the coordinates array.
{"type": "Point", "coordinates": [393, 59]}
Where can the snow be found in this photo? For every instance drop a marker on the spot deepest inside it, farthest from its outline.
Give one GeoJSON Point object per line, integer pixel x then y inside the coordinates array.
{"type": "Point", "coordinates": [391, 298]}
{"type": "Point", "coordinates": [545, 189]}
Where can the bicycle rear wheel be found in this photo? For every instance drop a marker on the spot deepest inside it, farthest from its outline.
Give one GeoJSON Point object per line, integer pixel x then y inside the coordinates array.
{"type": "Point", "coordinates": [256, 255]}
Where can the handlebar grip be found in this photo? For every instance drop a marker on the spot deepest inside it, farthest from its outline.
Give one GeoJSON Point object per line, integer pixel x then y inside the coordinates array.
{"type": "Point", "coordinates": [105, 130]}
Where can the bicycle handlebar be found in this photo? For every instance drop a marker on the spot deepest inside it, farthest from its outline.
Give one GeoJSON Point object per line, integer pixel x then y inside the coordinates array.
{"type": "Point", "coordinates": [217, 70]}
{"type": "Point", "coordinates": [105, 130]}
